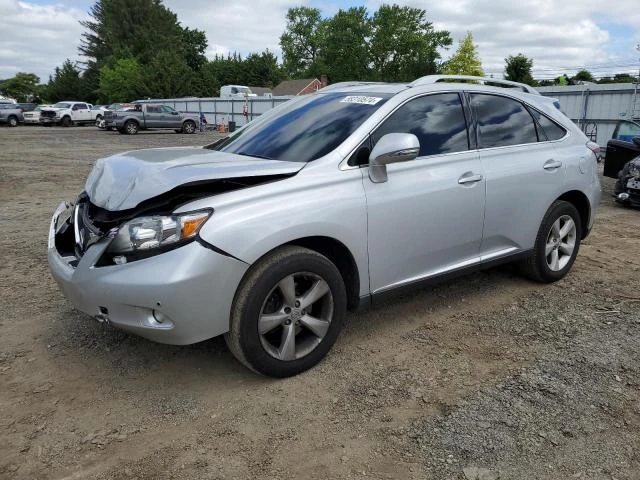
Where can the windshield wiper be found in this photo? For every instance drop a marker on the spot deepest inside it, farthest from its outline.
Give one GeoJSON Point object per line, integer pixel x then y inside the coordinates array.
{"type": "Point", "coordinates": [247, 154]}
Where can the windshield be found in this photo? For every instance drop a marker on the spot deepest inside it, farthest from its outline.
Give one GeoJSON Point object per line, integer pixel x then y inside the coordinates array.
{"type": "Point", "coordinates": [61, 105]}
{"type": "Point", "coordinates": [304, 129]}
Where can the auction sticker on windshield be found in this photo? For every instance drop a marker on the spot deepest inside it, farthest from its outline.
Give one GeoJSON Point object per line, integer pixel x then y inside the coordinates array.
{"type": "Point", "coordinates": [361, 99]}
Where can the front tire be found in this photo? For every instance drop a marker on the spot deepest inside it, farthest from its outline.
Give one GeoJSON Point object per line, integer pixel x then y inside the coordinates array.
{"type": "Point", "coordinates": [287, 312]}
{"type": "Point", "coordinates": [13, 121]}
{"type": "Point", "coordinates": [189, 127]}
{"type": "Point", "coordinates": [66, 121]}
{"type": "Point", "coordinates": [557, 244]}
{"type": "Point", "coordinates": [131, 127]}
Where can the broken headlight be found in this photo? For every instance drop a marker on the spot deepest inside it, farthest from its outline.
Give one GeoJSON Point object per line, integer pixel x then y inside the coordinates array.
{"type": "Point", "coordinates": [634, 170]}
{"type": "Point", "coordinates": [154, 234]}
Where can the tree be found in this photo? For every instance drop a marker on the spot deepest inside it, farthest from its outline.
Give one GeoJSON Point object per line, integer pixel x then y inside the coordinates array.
{"type": "Point", "coordinates": [123, 82]}
{"type": "Point", "coordinates": [584, 76]}
{"type": "Point", "coordinates": [518, 69]}
{"type": "Point", "coordinates": [23, 86]}
{"type": "Point", "coordinates": [66, 83]}
{"type": "Point", "coordinates": [465, 61]}
{"type": "Point", "coordinates": [302, 41]}
{"type": "Point", "coordinates": [345, 51]}
{"type": "Point", "coordinates": [261, 70]}
{"type": "Point", "coordinates": [168, 75]}
{"type": "Point", "coordinates": [404, 45]}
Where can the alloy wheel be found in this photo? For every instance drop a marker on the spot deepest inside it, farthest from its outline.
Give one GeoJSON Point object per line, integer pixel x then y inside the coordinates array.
{"type": "Point", "coordinates": [295, 316]}
{"type": "Point", "coordinates": [561, 242]}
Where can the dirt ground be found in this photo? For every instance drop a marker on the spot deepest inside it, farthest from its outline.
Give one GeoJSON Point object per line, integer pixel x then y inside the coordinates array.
{"type": "Point", "coordinates": [485, 377]}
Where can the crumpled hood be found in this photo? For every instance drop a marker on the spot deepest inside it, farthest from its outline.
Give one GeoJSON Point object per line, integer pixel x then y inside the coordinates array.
{"type": "Point", "coordinates": [123, 181]}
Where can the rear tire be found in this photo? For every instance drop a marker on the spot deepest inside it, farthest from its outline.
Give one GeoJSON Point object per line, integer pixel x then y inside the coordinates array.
{"type": "Point", "coordinates": [557, 244]}
{"type": "Point", "coordinates": [287, 312]}
{"type": "Point", "coordinates": [189, 127]}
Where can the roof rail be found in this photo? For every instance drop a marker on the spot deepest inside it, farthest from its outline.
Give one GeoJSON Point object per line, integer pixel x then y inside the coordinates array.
{"type": "Point", "coordinates": [339, 85]}
{"type": "Point", "coordinates": [430, 79]}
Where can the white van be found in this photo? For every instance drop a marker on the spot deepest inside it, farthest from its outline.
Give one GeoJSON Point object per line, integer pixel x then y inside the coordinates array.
{"type": "Point", "coordinates": [236, 92]}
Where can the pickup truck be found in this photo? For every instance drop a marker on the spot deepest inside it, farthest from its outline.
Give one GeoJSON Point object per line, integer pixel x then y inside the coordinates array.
{"type": "Point", "coordinates": [146, 116]}
{"type": "Point", "coordinates": [69, 113]}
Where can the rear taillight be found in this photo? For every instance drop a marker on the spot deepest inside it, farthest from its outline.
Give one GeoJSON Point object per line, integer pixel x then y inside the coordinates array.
{"type": "Point", "coordinates": [595, 148]}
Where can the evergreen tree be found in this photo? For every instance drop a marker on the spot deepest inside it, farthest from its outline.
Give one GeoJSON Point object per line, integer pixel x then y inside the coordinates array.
{"type": "Point", "coordinates": [466, 60]}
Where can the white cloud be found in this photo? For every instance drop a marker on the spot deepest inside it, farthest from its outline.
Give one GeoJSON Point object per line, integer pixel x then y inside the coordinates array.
{"type": "Point", "coordinates": [37, 38]}
{"type": "Point", "coordinates": [556, 33]}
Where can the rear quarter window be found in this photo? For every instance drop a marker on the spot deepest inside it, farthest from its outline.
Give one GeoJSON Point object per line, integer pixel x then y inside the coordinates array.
{"type": "Point", "coordinates": [548, 129]}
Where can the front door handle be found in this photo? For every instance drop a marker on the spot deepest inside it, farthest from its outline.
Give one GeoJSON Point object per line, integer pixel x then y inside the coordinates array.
{"type": "Point", "coordinates": [552, 164]}
{"type": "Point", "coordinates": [470, 177]}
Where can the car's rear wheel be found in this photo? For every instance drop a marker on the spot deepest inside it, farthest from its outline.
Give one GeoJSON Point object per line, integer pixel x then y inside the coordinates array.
{"type": "Point", "coordinates": [189, 127]}
{"type": "Point", "coordinates": [287, 312]}
{"type": "Point", "coordinates": [13, 121]}
{"type": "Point", "coordinates": [557, 244]}
{"type": "Point", "coordinates": [66, 121]}
{"type": "Point", "coordinates": [131, 127]}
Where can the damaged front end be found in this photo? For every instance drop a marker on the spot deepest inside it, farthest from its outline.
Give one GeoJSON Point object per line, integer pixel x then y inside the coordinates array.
{"type": "Point", "coordinates": [135, 233]}
{"type": "Point", "coordinates": [627, 187]}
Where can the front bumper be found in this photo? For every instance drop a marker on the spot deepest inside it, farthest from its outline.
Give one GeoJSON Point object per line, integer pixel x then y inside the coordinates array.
{"type": "Point", "coordinates": [190, 289]}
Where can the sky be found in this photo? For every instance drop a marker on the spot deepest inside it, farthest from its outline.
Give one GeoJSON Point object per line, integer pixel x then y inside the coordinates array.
{"type": "Point", "coordinates": [559, 35]}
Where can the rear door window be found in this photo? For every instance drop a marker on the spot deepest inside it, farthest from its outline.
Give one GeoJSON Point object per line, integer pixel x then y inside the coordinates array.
{"type": "Point", "coordinates": [437, 120]}
{"type": "Point", "coordinates": [502, 121]}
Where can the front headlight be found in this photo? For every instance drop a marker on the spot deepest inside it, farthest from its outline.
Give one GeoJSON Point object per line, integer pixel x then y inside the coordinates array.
{"type": "Point", "coordinates": [634, 170]}
{"type": "Point", "coordinates": [145, 234]}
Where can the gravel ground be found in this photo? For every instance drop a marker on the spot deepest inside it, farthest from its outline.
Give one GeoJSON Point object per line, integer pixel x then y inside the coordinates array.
{"type": "Point", "coordinates": [485, 377]}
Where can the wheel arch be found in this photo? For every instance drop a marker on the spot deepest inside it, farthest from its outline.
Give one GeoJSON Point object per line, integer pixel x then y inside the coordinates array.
{"type": "Point", "coordinates": [338, 253]}
{"type": "Point", "coordinates": [579, 200]}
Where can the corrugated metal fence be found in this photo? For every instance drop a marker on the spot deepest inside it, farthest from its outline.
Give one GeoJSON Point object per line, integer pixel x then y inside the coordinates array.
{"type": "Point", "coordinates": [597, 108]}
{"type": "Point", "coordinates": [594, 108]}
{"type": "Point", "coordinates": [218, 110]}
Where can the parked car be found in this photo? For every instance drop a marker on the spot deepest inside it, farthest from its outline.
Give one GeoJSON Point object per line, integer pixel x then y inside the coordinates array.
{"type": "Point", "coordinates": [145, 116]}
{"type": "Point", "coordinates": [27, 107]}
{"type": "Point", "coordinates": [329, 202]}
{"type": "Point", "coordinates": [69, 113]}
{"type": "Point", "coordinates": [621, 148]}
{"type": "Point", "coordinates": [33, 117]}
{"type": "Point", "coordinates": [11, 114]}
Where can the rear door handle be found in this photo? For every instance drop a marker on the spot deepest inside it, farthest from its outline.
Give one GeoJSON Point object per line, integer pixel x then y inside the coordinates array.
{"type": "Point", "coordinates": [552, 164]}
{"type": "Point", "coordinates": [469, 177]}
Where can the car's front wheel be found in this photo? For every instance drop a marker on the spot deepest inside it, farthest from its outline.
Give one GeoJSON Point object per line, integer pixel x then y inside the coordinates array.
{"type": "Point", "coordinates": [131, 127]}
{"type": "Point", "coordinates": [287, 312]}
{"type": "Point", "coordinates": [13, 121]}
{"type": "Point", "coordinates": [556, 245]}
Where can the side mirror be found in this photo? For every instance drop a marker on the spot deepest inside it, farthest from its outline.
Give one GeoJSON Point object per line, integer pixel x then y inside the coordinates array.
{"type": "Point", "coordinates": [174, 113]}
{"type": "Point", "coordinates": [636, 140]}
{"type": "Point", "coordinates": [391, 148]}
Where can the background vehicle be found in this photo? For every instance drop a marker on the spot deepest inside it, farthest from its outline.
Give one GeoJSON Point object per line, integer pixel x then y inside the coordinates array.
{"type": "Point", "coordinates": [33, 117]}
{"type": "Point", "coordinates": [146, 116]}
{"type": "Point", "coordinates": [627, 188]}
{"type": "Point", "coordinates": [107, 114]}
{"type": "Point", "coordinates": [11, 114]}
{"type": "Point", "coordinates": [622, 147]}
{"type": "Point", "coordinates": [238, 92]}
{"type": "Point", "coordinates": [335, 200]}
{"type": "Point", "coordinates": [69, 113]}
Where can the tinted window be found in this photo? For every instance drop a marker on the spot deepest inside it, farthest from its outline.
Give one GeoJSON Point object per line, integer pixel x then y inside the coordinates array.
{"type": "Point", "coordinates": [153, 109]}
{"type": "Point", "coordinates": [437, 120]}
{"type": "Point", "coordinates": [502, 121]}
{"type": "Point", "coordinates": [305, 128]}
{"type": "Point", "coordinates": [81, 106]}
{"type": "Point", "coordinates": [548, 129]}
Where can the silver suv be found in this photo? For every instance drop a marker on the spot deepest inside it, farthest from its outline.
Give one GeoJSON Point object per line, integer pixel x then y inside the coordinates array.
{"type": "Point", "coordinates": [324, 204]}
